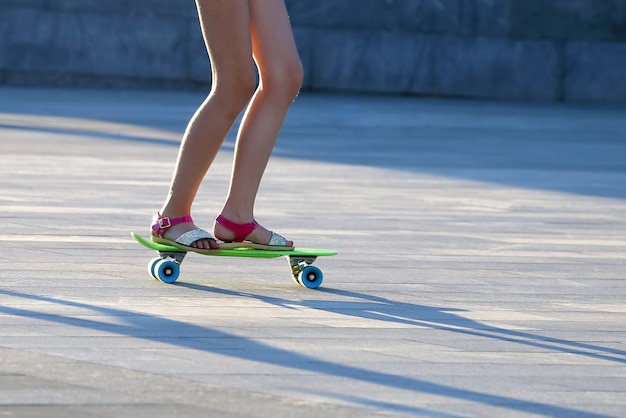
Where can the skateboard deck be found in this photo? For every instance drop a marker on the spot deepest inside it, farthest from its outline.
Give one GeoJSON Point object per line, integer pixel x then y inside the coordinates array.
{"type": "Point", "coordinates": [166, 267]}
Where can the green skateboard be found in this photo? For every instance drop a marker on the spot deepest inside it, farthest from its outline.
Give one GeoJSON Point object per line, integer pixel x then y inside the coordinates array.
{"type": "Point", "coordinates": [166, 267]}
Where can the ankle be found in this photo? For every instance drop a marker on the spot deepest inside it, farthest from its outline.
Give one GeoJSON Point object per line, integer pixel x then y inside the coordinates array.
{"type": "Point", "coordinates": [173, 210]}
{"type": "Point", "coordinates": [237, 216]}
{"type": "Point", "coordinates": [161, 224]}
{"type": "Point", "coordinates": [239, 230]}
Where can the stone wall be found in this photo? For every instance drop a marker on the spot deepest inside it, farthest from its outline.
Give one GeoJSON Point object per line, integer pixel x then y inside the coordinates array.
{"type": "Point", "coordinates": [544, 50]}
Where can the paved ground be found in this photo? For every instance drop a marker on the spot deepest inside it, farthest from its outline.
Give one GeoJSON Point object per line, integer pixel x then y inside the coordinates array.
{"type": "Point", "coordinates": [481, 267]}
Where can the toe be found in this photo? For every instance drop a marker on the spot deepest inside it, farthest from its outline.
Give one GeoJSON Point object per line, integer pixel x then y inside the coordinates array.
{"type": "Point", "coordinates": [206, 244]}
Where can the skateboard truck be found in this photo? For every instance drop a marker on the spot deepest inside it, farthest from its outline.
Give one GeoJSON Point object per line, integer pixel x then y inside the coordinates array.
{"type": "Point", "coordinates": [303, 272]}
{"type": "Point", "coordinates": [299, 263]}
{"type": "Point", "coordinates": [173, 255]}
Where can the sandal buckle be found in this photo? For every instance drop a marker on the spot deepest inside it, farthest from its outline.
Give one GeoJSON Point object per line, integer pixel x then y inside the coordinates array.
{"type": "Point", "coordinates": [165, 222]}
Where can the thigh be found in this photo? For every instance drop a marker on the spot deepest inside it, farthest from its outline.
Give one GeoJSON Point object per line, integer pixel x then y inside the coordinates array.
{"type": "Point", "coordinates": [226, 31]}
{"type": "Point", "coordinates": [273, 44]}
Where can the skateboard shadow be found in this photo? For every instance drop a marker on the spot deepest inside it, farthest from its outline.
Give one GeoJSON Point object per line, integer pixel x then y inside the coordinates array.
{"type": "Point", "coordinates": [377, 308]}
{"type": "Point", "coordinates": [191, 336]}
{"type": "Point", "coordinates": [382, 309]}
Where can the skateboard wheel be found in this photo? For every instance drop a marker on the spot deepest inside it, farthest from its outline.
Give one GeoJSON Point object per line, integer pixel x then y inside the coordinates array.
{"type": "Point", "coordinates": [166, 271]}
{"type": "Point", "coordinates": [151, 265]}
{"type": "Point", "coordinates": [310, 277]}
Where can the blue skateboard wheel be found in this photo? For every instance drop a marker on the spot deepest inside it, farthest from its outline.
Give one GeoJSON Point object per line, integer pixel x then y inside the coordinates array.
{"type": "Point", "coordinates": [311, 277]}
{"type": "Point", "coordinates": [166, 271]}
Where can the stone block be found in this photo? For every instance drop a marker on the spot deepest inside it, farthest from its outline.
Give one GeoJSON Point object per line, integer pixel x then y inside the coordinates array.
{"type": "Point", "coordinates": [40, 40]}
{"type": "Point", "coordinates": [350, 60]}
{"type": "Point", "coordinates": [449, 17]}
{"type": "Point", "coordinates": [505, 49]}
{"type": "Point", "coordinates": [432, 65]}
{"type": "Point", "coordinates": [172, 8]}
{"type": "Point", "coordinates": [490, 68]}
{"type": "Point", "coordinates": [569, 19]}
{"type": "Point", "coordinates": [595, 72]}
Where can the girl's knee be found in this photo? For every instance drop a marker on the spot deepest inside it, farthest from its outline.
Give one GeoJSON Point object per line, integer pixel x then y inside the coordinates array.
{"type": "Point", "coordinates": [296, 78]}
{"type": "Point", "coordinates": [235, 88]}
{"type": "Point", "coordinates": [283, 81]}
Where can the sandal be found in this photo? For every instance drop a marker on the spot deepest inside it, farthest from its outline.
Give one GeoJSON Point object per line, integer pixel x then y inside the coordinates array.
{"type": "Point", "coordinates": [185, 241]}
{"type": "Point", "coordinates": [277, 242]}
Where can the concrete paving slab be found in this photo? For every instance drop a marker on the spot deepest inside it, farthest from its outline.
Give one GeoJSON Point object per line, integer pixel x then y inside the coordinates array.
{"type": "Point", "coordinates": [482, 256]}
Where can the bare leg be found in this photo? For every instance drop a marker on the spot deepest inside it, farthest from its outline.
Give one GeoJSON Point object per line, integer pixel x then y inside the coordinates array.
{"type": "Point", "coordinates": [226, 30]}
{"type": "Point", "coordinates": [281, 76]}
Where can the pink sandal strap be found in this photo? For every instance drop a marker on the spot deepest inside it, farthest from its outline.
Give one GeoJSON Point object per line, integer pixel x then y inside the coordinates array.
{"type": "Point", "coordinates": [241, 230]}
{"type": "Point", "coordinates": [163, 223]}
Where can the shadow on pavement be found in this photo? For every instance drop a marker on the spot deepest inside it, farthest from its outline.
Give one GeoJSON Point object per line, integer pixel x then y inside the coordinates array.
{"type": "Point", "coordinates": [567, 148]}
{"type": "Point", "coordinates": [195, 337]}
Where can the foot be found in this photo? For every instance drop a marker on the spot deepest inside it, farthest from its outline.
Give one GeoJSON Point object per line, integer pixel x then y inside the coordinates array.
{"type": "Point", "coordinates": [177, 229]}
{"type": "Point", "coordinates": [249, 233]}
